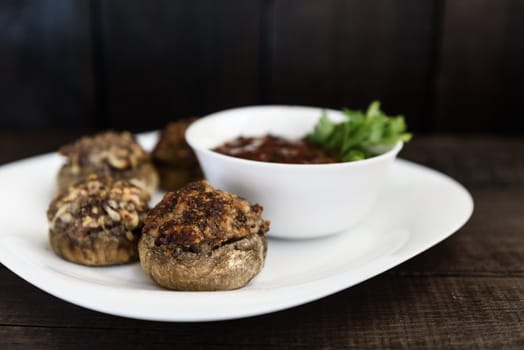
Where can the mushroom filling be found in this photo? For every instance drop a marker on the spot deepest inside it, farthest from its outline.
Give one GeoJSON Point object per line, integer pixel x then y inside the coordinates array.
{"type": "Point", "coordinates": [199, 218]}
{"type": "Point", "coordinates": [98, 204]}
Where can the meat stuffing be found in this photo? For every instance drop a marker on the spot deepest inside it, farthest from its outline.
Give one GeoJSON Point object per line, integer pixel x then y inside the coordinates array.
{"type": "Point", "coordinates": [115, 154]}
{"type": "Point", "coordinates": [98, 221]}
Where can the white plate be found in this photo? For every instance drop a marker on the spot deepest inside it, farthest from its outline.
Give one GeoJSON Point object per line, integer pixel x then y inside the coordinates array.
{"type": "Point", "coordinates": [418, 208]}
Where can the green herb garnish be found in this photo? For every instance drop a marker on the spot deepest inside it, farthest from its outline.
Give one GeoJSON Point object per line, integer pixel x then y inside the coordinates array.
{"type": "Point", "coordinates": [361, 135]}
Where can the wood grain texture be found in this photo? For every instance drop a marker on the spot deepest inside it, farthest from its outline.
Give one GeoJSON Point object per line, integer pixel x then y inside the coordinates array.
{"type": "Point", "coordinates": [475, 161]}
{"type": "Point", "coordinates": [490, 244]}
{"type": "Point", "coordinates": [481, 72]}
{"type": "Point", "coordinates": [447, 65]}
{"type": "Point", "coordinates": [19, 144]}
{"type": "Point", "coordinates": [385, 312]}
{"type": "Point", "coordinates": [45, 64]}
{"type": "Point", "coordinates": [347, 53]}
{"type": "Point", "coordinates": [166, 60]}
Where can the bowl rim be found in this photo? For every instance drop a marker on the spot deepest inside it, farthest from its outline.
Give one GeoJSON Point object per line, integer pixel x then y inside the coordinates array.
{"type": "Point", "coordinates": [392, 152]}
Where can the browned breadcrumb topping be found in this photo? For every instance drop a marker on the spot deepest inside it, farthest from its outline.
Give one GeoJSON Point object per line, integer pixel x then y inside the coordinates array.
{"type": "Point", "coordinates": [172, 147]}
{"type": "Point", "coordinates": [107, 150]}
{"type": "Point", "coordinates": [99, 204]}
{"type": "Point", "coordinates": [199, 215]}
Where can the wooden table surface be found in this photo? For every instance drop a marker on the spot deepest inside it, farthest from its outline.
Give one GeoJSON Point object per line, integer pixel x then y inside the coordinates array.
{"type": "Point", "coordinates": [466, 292]}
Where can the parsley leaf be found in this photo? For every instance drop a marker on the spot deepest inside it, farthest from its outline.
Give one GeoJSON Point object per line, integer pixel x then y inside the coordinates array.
{"type": "Point", "coordinates": [361, 135]}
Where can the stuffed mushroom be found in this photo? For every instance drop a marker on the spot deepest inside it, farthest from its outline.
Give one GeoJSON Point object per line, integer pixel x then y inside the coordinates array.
{"type": "Point", "coordinates": [109, 153]}
{"type": "Point", "coordinates": [174, 160]}
{"type": "Point", "coordinates": [98, 221]}
{"type": "Point", "coordinates": [200, 238]}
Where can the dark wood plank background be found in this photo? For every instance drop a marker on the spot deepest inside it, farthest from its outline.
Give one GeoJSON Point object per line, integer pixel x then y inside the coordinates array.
{"type": "Point", "coordinates": [447, 65]}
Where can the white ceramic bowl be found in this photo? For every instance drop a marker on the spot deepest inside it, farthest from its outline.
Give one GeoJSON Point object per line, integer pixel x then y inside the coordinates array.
{"type": "Point", "coordinates": [300, 200]}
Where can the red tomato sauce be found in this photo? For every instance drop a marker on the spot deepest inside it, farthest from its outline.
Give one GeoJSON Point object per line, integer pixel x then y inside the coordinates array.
{"type": "Point", "coordinates": [276, 149]}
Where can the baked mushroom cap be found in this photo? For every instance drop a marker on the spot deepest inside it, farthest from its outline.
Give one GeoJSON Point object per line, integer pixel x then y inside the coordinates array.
{"type": "Point", "coordinates": [98, 221]}
{"type": "Point", "coordinates": [201, 238]}
{"type": "Point", "coordinates": [109, 153]}
{"type": "Point", "coordinates": [173, 158]}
